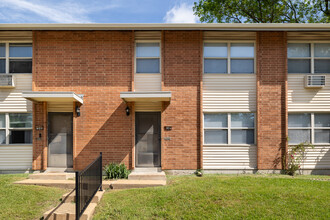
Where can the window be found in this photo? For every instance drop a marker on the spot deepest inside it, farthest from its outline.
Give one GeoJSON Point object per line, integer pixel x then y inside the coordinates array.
{"type": "Point", "coordinates": [229, 128]}
{"type": "Point", "coordinates": [15, 58]}
{"type": "Point", "coordinates": [309, 127]}
{"type": "Point", "coordinates": [147, 58]}
{"type": "Point", "coordinates": [16, 128]}
{"type": "Point", "coordinates": [309, 58]}
{"type": "Point", "coordinates": [228, 57]}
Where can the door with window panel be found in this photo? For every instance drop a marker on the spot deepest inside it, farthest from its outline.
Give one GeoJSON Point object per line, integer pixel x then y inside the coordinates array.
{"type": "Point", "coordinates": [60, 139]}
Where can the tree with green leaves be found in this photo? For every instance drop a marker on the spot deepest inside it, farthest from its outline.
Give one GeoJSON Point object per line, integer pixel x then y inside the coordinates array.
{"type": "Point", "coordinates": [263, 11]}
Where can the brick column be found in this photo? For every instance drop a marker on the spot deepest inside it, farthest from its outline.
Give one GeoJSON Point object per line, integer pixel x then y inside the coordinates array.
{"type": "Point", "coordinates": [40, 143]}
{"type": "Point", "coordinates": [181, 58]}
{"type": "Point", "coordinates": [271, 99]}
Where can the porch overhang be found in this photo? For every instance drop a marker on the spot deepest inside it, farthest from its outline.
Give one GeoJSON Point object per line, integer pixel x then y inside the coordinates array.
{"type": "Point", "coordinates": [62, 97]}
{"type": "Point", "coordinates": [146, 96]}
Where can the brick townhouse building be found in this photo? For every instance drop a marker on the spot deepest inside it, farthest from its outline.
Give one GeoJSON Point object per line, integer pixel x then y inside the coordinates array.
{"type": "Point", "coordinates": [221, 97]}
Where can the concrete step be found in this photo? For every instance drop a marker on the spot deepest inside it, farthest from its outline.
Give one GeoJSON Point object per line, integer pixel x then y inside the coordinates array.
{"type": "Point", "coordinates": [52, 176]}
{"type": "Point", "coordinates": [66, 184]}
{"type": "Point", "coordinates": [67, 210]}
{"type": "Point", "coordinates": [129, 184]}
{"type": "Point", "coordinates": [71, 197]}
{"type": "Point", "coordinates": [147, 176]}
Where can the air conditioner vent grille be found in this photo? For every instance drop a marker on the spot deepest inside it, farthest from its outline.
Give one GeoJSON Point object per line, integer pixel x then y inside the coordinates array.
{"type": "Point", "coordinates": [314, 81]}
{"type": "Point", "coordinates": [7, 80]}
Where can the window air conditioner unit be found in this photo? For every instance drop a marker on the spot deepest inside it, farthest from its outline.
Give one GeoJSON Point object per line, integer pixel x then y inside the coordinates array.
{"type": "Point", "coordinates": [314, 81]}
{"type": "Point", "coordinates": [7, 81]}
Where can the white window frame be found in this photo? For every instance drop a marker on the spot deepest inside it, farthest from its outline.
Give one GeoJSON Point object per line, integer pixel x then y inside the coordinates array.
{"type": "Point", "coordinates": [229, 129]}
{"type": "Point", "coordinates": [311, 58]}
{"type": "Point", "coordinates": [312, 128]}
{"type": "Point", "coordinates": [7, 58]}
{"type": "Point", "coordinates": [8, 128]}
{"type": "Point", "coordinates": [228, 55]}
{"type": "Point", "coordinates": [160, 55]}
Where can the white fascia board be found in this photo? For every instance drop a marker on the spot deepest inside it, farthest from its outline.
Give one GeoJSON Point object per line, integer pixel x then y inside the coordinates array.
{"type": "Point", "coordinates": [52, 95]}
{"type": "Point", "coordinates": [177, 26]}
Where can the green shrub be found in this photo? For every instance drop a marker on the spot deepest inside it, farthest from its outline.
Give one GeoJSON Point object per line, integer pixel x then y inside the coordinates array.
{"type": "Point", "coordinates": [116, 171]}
{"type": "Point", "coordinates": [296, 156]}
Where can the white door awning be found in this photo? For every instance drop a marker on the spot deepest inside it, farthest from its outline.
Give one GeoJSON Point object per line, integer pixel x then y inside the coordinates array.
{"type": "Point", "coordinates": [63, 97]}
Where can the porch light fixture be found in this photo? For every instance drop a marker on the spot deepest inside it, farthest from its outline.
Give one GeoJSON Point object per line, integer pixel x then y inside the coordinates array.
{"type": "Point", "coordinates": [127, 111]}
{"type": "Point", "coordinates": [78, 111]}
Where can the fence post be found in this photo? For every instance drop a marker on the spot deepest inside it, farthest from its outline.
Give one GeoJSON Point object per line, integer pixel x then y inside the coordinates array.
{"type": "Point", "coordinates": [101, 171]}
{"type": "Point", "coordinates": [77, 196]}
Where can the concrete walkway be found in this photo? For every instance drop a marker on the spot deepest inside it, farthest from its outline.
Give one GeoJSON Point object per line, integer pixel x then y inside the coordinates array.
{"type": "Point", "coordinates": [66, 210]}
{"type": "Point", "coordinates": [107, 184]}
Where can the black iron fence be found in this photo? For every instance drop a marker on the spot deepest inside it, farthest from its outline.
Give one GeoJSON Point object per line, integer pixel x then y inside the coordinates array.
{"type": "Point", "coordinates": [88, 182]}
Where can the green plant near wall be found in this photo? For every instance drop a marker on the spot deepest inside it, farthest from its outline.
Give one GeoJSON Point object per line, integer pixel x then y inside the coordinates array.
{"type": "Point", "coordinates": [296, 156]}
{"type": "Point", "coordinates": [116, 171]}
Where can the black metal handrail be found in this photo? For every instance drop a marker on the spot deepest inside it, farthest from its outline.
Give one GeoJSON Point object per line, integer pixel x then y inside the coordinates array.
{"type": "Point", "coordinates": [88, 182]}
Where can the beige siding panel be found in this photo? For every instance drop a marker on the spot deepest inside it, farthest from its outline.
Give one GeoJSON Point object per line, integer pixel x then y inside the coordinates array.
{"type": "Point", "coordinates": [308, 35]}
{"type": "Point", "coordinates": [229, 157]}
{"type": "Point", "coordinates": [11, 100]}
{"type": "Point", "coordinates": [229, 35]}
{"type": "Point", "coordinates": [317, 158]}
{"type": "Point", "coordinates": [307, 100]}
{"type": "Point", "coordinates": [147, 35]}
{"type": "Point", "coordinates": [148, 106]}
{"type": "Point", "coordinates": [15, 35]}
{"type": "Point", "coordinates": [60, 106]}
{"type": "Point", "coordinates": [229, 93]}
{"type": "Point", "coordinates": [15, 157]}
{"type": "Point", "coordinates": [147, 82]}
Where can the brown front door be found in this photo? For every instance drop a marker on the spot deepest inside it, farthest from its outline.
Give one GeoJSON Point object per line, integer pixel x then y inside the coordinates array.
{"type": "Point", "coordinates": [147, 139]}
{"type": "Point", "coordinates": [60, 139]}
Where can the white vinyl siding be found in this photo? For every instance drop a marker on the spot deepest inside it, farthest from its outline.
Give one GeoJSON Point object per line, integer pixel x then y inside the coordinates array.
{"type": "Point", "coordinates": [147, 82]}
{"type": "Point", "coordinates": [307, 100]}
{"type": "Point", "coordinates": [229, 93]}
{"type": "Point", "coordinates": [11, 100]}
{"type": "Point", "coordinates": [60, 107]}
{"type": "Point", "coordinates": [148, 106]}
{"type": "Point", "coordinates": [16, 157]}
{"type": "Point", "coordinates": [317, 158]}
{"type": "Point", "coordinates": [229, 157]}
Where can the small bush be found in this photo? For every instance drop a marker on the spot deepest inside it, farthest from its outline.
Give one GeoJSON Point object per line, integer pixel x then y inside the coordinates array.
{"type": "Point", "coordinates": [296, 157]}
{"type": "Point", "coordinates": [199, 172]}
{"type": "Point", "coordinates": [116, 171]}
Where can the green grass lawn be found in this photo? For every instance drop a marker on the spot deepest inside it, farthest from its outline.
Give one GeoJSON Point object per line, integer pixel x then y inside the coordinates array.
{"type": "Point", "coordinates": [223, 197]}
{"type": "Point", "coordinates": [25, 202]}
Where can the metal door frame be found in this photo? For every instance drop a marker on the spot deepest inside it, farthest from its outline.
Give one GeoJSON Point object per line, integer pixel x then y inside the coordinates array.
{"type": "Point", "coordinates": [159, 138]}
{"type": "Point", "coordinates": [48, 132]}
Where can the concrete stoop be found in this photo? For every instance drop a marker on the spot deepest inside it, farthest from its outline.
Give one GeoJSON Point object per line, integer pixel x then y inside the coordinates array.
{"type": "Point", "coordinates": [147, 176]}
{"type": "Point", "coordinates": [67, 209]}
{"type": "Point", "coordinates": [130, 184]}
{"type": "Point", "coordinates": [52, 176]}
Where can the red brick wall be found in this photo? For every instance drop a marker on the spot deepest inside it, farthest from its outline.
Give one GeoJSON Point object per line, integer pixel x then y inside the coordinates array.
{"type": "Point", "coordinates": [39, 143]}
{"type": "Point", "coordinates": [97, 64]}
{"type": "Point", "coordinates": [182, 77]}
{"type": "Point", "coordinates": [271, 98]}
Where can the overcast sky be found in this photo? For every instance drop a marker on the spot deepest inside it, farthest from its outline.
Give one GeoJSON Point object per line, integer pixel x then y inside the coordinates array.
{"type": "Point", "coordinates": [97, 11]}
